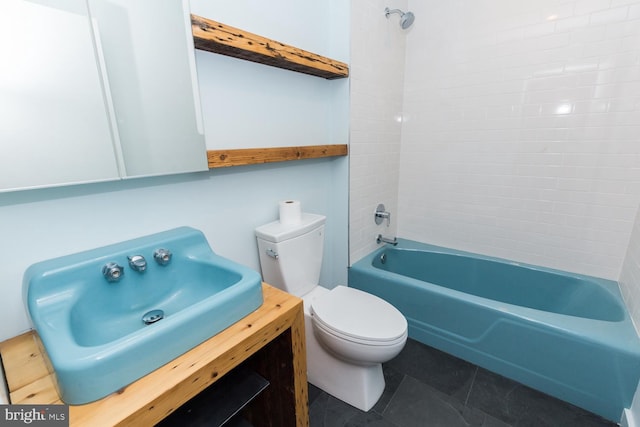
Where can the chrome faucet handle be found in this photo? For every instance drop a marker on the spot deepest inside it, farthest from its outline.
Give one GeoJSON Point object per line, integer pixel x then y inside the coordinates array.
{"type": "Point", "coordinates": [162, 256]}
{"type": "Point", "coordinates": [137, 263]}
{"type": "Point", "coordinates": [381, 214]}
{"type": "Point", "coordinates": [112, 272]}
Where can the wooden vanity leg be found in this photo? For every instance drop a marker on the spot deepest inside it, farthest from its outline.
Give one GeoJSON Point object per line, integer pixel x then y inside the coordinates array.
{"type": "Point", "coordinates": [283, 363]}
{"type": "Point", "coordinates": [301, 388]}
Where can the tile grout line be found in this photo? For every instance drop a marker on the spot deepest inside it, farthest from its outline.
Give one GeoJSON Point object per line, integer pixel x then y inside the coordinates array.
{"type": "Point", "coordinates": [473, 381]}
{"type": "Point", "coordinates": [404, 377]}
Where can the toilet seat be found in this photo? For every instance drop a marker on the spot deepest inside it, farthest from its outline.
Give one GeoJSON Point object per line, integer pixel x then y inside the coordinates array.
{"type": "Point", "coordinates": [359, 317]}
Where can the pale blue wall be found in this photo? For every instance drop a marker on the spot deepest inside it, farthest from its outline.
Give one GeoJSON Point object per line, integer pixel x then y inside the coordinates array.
{"type": "Point", "coordinates": [226, 204]}
{"type": "Point", "coordinates": [251, 105]}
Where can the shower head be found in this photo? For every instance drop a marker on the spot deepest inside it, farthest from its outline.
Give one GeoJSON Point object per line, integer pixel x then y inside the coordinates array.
{"type": "Point", "coordinates": [406, 18]}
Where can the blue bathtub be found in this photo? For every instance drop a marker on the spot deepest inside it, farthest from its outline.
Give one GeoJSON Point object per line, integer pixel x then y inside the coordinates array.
{"type": "Point", "coordinates": [564, 334]}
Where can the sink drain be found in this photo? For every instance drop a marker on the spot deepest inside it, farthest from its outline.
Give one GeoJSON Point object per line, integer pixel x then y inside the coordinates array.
{"type": "Point", "coordinates": [152, 316]}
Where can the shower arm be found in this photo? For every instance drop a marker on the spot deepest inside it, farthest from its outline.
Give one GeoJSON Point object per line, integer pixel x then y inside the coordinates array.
{"type": "Point", "coordinates": [388, 12]}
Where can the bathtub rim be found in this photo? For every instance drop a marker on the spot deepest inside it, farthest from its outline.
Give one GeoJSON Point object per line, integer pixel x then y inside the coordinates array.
{"type": "Point", "coordinates": [615, 334]}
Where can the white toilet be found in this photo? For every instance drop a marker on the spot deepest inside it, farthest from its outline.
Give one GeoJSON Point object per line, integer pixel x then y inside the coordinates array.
{"type": "Point", "coordinates": [349, 333]}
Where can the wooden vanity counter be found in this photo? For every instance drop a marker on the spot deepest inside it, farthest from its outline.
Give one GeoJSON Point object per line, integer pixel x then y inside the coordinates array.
{"type": "Point", "coordinates": [271, 339]}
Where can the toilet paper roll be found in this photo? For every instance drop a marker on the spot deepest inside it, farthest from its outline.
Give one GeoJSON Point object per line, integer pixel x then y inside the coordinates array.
{"type": "Point", "coordinates": [290, 212]}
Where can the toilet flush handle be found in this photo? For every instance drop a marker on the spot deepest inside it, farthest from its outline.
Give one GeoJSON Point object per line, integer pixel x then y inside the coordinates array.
{"type": "Point", "coordinates": [272, 253]}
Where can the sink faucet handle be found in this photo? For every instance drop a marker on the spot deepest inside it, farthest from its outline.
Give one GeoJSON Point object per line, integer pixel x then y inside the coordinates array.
{"type": "Point", "coordinates": [162, 256]}
{"type": "Point", "coordinates": [112, 272]}
{"type": "Point", "coordinates": [137, 263]}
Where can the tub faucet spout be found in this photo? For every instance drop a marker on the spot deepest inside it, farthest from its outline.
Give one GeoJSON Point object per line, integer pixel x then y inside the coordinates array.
{"type": "Point", "coordinates": [382, 239]}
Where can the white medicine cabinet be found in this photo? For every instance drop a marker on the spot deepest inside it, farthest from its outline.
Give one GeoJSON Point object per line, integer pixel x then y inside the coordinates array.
{"type": "Point", "coordinates": [95, 90]}
{"type": "Point", "coordinates": [54, 123]}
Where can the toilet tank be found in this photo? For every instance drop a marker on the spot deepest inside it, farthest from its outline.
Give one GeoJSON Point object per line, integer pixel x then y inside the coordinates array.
{"type": "Point", "coordinates": [291, 255]}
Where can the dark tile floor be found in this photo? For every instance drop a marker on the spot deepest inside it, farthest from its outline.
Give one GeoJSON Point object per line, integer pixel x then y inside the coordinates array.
{"type": "Point", "coordinates": [426, 387]}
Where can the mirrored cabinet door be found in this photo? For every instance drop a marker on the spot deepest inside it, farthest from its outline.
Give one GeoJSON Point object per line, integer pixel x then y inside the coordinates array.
{"type": "Point", "coordinates": [150, 63]}
{"type": "Point", "coordinates": [94, 90]}
{"type": "Point", "coordinates": [54, 123]}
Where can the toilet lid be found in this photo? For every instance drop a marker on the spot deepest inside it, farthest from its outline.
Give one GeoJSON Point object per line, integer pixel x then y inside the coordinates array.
{"type": "Point", "coordinates": [358, 314]}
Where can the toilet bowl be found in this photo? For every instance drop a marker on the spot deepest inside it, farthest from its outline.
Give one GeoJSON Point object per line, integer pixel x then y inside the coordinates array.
{"type": "Point", "coordinates": [349, 333]}
{"type": "Point", "coordinates": [358, 327]}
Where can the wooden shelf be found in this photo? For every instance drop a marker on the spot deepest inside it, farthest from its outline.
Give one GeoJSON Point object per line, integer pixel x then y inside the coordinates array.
{"type": "Point", "coordinates": [274, 332]}
{"type": "Point", "coordinates": [251, 156]}
{"type": "Point", "coordinates": [220, 402]}
{"type": "Point", "coordinates": [223, 39]}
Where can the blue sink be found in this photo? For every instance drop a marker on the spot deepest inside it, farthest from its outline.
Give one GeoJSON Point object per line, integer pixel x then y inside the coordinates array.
{"type": "Point", "coordinates": [102, 335]}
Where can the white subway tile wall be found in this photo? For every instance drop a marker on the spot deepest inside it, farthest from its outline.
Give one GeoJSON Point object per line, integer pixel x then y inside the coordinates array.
{"type": "Point", "coordinates": [521, 131]}
{"type": "Point", "coordinates": [376, 73]}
